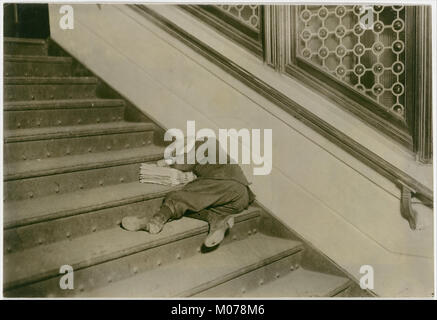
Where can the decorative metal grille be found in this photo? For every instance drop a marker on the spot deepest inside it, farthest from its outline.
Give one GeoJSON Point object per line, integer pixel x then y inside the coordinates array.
{"type": "Point", "coordinates": [246, 14]}
{"type": "Point", "coordinates": [370, 58]}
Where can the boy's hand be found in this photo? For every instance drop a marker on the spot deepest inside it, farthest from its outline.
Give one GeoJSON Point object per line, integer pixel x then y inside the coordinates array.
{"type": "Point", "coordinates": [162, 163]}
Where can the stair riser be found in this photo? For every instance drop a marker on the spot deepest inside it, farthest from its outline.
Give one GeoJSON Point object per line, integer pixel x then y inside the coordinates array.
{"type": "Point", "coordinates": [74, 226]}
{"type": "Point", "coordinates": [25, 49]}
{"type": "Point", "coordinates": [61, 117]}
{"type": "Point", "coordinates": [43, 149]}
{"type": "Point", "coordinates": [17, 92]}
{"type": "Point", "coordinates": [69, 182]}
{"type": "Point", "coordinates": [101, 274]}
{"type": "Point", "coordinates": [342, 292]}
{"type": "Point", "coordinates": [241, 285]}
{"type": "Point", "coordinates": [37, 69]}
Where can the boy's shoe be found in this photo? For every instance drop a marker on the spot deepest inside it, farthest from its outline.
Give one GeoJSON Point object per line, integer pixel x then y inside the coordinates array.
{"type": "Point", "coordinates": [133, 223]}
{"type": "Point", "coordinates": [153, 225]}
{"type": "Point", "coordinates": [217, 232]}
{"type": "Point", "coordinates": [156, 223]}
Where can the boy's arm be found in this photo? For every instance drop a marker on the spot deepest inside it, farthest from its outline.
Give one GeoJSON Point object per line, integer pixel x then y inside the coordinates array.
{"type": "Point", "coordinates": [181, 167]}
{"type": "Point", "coordinates": [190, 167]}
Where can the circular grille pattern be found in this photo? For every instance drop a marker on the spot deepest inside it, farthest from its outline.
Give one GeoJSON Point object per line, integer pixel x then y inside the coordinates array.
{"type": "Point", "coordinates": [247, 14]}
{"type": "Point", "coordinates": [368, 57]}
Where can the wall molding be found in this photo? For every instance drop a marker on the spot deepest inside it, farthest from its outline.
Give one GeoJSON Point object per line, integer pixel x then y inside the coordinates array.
{"type": "Point", "coordinates": [337, 137]}
{"type": "Point", "coordinates": [423, 79]}
{"type": "Point", "coordinates": [274, 37]}
{"type": "Point", "coordinates": [250, 39]}
{"type": "Point", "coordinates": [324, 84]}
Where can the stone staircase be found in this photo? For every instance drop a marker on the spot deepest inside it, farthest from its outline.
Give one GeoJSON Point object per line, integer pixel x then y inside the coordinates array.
{"type": "Point", "coordinates": [71, 164]}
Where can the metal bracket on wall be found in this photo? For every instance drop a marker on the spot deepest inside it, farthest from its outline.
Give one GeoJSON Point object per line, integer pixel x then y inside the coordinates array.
{"type": "Point", "coordinates": [407, 210]}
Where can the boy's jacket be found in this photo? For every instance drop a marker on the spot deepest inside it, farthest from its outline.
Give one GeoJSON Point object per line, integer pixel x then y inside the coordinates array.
{"type": "Point", "coordinates": [215, 171]}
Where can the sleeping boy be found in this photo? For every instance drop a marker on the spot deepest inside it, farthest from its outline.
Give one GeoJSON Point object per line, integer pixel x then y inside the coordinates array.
{"type": "Point", "coordinates": [219, 191]}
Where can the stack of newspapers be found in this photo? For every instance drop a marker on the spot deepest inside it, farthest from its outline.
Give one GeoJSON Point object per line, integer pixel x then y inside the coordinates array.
{"type": "Point", "coordinates": [151, 173]}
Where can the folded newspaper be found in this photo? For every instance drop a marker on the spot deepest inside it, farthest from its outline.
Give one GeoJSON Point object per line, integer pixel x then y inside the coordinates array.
{"type": "Point", "coordinates": [151, 173]}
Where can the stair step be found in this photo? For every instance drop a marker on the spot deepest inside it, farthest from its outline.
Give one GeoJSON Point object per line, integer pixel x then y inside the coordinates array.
{"type": "Point", "coordinates": [23, 46]}
{"type": "Point", "coordinates": [37, 66]}
{"type": "Point", "coordinates": [34, 114]}
{"type": "Point", "coordinates": [37, 178]}
{"type": "Point", "coordinates": [52, 142]}
{"type": "Point", "coordinates": [48, 105]}
{"type": "Point", "coordinates": [33, 211]}
{"type": "Point", "coordinates": [45, 88]}
{"type": "Point", "coordinates": [37, 167]}
{"type": "Point", "coordinates": [302, 283]}
{"type": "Point", "coordinates": [113, 253]}
{"type": "Point", "coordinates": [33, 222]}
{"type": "Point", "coordinates": [77, 131]}
{"type": "Point", "coordinates": [195, 274]}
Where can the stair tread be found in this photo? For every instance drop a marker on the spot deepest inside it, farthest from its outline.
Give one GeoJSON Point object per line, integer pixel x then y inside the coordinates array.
{"type": "Point", "coordinates": [197, 273]}
{"type": "Point", "coordinates": [68, 103]}
{"type": "Point", "coordinates": [24, 40]}
{"type": "Point", "coordinates": [41, 167]}
{"type": "Point", "coordinates": [301, 283]}
{"type": "Point", "coordinates": [94, 248]}
{"type": "Point", "coordinates": [56, 132]}
{"type": "Point", "coordinates": [49, 80]}
{"type": "Point", "coordinates": [24, 212]}
{"type": "Point", "coordinates": [29, 58]}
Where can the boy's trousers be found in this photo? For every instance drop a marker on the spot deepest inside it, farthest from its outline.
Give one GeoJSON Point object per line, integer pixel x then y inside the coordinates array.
{"type": "Point", "coordinates": [218, 197]}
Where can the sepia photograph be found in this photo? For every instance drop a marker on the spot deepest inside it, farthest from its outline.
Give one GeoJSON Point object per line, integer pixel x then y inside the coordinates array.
{"type": "Point", "coordinates": [209, 150]}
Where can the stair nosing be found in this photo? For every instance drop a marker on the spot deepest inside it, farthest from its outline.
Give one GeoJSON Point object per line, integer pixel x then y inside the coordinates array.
{"type": "Point", "coordinates": [25, 40]}
{"type": "Point", "coordinates": [32, 58]}
{"type": "Point", "coordinates": [120, 253]}
{"type": "Point", "coordinates": [346, 285]}
{"type": "Point", "coordinates": [78, 131]}
{"type": "Point", "coordinates": [233, 275]}
{"type": "Point", "coordinates": [49, 80]}
{"type": "Point", "coordinates": [12, 224]}
{"type": "Point", "coordinates": [86, 166]}
{"type": "Point", "coordinates": [25, 105]}
{"type": "Point", "coordinates": [294, 248]}
{"type": "Point", "coordinates": [332, 290]}
{"type": "Point", "coordinates": [85, 263]}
